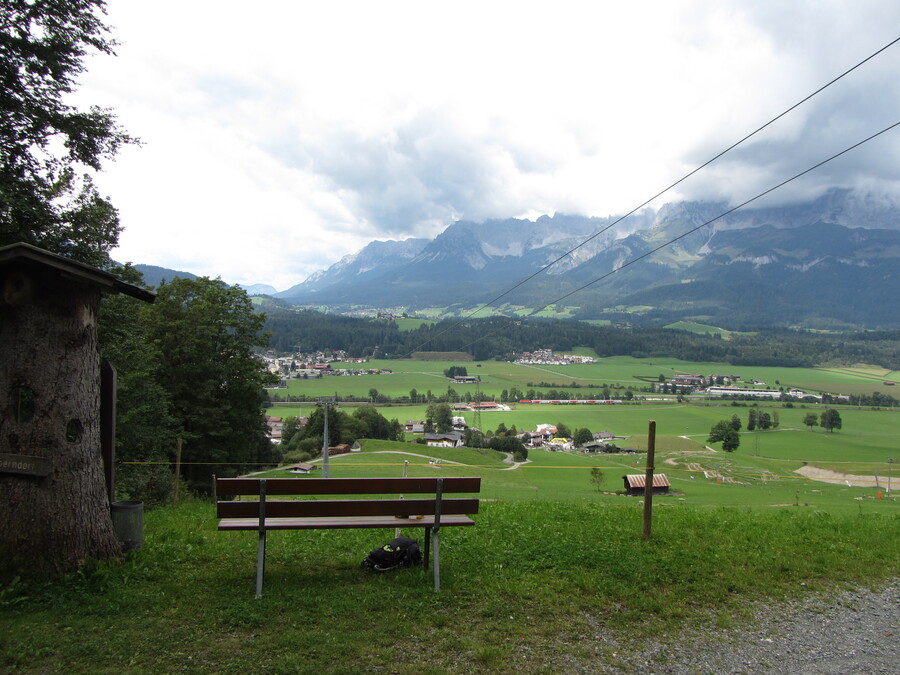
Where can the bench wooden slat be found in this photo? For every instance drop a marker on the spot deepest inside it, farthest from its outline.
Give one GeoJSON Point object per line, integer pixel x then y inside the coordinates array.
{"type": "Point", "coordinates": [380, 509]}
{"type": "Point", "coordinates": [336, 523]}
{"type": "Point", "coordinates": [345, 507]}
{"type": "Point", "coordinates": [344, 486]}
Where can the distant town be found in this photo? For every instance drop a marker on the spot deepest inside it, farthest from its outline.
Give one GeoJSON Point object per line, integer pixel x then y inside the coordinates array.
{"type": "Point", "coordinates": [318, 364]}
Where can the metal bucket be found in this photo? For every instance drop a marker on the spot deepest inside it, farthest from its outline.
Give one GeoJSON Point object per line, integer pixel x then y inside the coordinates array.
{"type": "Point", "coordinates": [128, 524]}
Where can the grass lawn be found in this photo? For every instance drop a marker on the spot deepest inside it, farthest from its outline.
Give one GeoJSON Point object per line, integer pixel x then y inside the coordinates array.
{"type": "Point", "coordinates": [531, 580]}
{"type": "Point", "coordinates": [553, 559]}
{"type": "Point", "coordinates": [617, 371]}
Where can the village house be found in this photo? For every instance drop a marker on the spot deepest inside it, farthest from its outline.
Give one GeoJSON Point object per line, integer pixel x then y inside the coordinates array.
{"type": "Point", "coordinates": [274, 428]}
{"type": "Point", "coordinates": [484, 405]}
{"type": "Point", "coordinates": [465, 379]}
{"type": "Point", "coordinates": [450, 439]}
{"type": "Point", "coordinates": [688, 380]}
{"type": "Point", "coordinates": [303, 467]}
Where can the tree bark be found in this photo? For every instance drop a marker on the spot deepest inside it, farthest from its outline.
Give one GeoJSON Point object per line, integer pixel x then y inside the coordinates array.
{"type": "Point", "coordinates": [50, 409]}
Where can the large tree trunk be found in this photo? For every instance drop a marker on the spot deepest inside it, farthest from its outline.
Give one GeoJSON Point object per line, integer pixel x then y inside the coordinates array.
{"type": "Point", "coordinates": [50, 410]}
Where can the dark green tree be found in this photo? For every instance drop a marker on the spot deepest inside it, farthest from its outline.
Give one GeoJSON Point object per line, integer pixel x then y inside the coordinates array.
{"type": "Point", "coordinates": [45, 142]}
{"type": "Point", "coordinates": [582, 436]}
{"type": "Point", "coordinates": [290, 427]}
{"type": "Point", "coordinates": [735, 422]}
{"type": "Point", "coordinates": [811, 420]}
{"type": "Point", "coordinates": [509, 444]}
{"type": "Point", "coordinates": [146, 431]}
{"type": "Point", "coordinates": [439, 418]}
{"type": "Point", "coordinates": [473, 438]}
{"type": "Point", "coordinates": [205, 333]}
{"type": "Point", "coordinates": [563, 431]}
{"type": "Point", "coordinates": [830, 420]}
{"type": "Point", "coordinates": [375, 425]}
{"type": "Point", "coordinates": [724, 433]}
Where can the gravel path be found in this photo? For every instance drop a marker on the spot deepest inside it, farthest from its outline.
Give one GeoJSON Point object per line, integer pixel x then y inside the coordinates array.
{"type": "Point", "coordinates": [853, 632]}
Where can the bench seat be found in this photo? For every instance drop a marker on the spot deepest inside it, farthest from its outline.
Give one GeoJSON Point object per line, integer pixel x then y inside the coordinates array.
{"type": "Point", "coordinates": [375, 503]}
{"type": "Point", "coordinates": [341, 522]}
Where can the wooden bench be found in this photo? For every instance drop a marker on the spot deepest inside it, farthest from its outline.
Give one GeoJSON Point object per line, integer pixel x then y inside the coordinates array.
{"type": "Point", "coordinates": [314, 513]}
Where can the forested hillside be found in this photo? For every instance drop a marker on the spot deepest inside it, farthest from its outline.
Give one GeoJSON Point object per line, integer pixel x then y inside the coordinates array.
{"type": "Point", "coordinates": [501, 337]}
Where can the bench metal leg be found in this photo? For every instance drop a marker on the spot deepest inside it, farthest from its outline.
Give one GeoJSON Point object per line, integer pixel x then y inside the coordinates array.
{"type": "Point", "coordinates": [437, 559]}
{"type": "Point", "coordinates": [435, 531]}
{"type": "Point", "coordinates": [260, 563]}
{"type": "Point", "coordinates": [427, 548]}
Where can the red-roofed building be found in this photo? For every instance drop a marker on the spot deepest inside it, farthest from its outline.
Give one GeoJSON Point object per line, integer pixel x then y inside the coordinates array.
{"type": "Point", "coordinates": [634, 484]}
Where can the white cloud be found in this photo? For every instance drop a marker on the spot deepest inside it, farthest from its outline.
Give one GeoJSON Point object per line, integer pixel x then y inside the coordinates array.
{"type": "Point", "coordinates": [279, 138]}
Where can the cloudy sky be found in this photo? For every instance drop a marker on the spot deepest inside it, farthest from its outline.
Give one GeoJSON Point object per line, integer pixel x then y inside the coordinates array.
{"type": "Point", "coordinates": [279, 137]}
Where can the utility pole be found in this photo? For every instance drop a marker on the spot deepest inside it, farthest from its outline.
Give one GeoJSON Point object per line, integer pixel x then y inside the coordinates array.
{"type": "Point", "coordinates": [325, 403]}
{"type": "Point", "coordinates": [477, 419]}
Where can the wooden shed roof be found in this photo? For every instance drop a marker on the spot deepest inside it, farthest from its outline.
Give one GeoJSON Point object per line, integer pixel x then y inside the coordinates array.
{"type": "Point", "coordinates": [71, 269]}
{"type": "Point", "coordinates": [639, 480]}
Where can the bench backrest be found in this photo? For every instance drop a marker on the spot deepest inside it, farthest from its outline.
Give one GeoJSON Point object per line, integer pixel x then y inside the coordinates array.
{"type": "Point", "coordinates": [385, 504]}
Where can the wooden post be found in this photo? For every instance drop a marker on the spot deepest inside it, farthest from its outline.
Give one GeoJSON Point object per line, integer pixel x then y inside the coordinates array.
{"type": "Point", "coordinates": [177, 471]}
{"type": "Point", "coordinates": [108, 426]}
{"type": "Point", "coordinates": [648, 479]}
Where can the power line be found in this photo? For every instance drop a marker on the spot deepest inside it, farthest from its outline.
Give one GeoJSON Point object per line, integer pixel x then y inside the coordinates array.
{"type": "Point", "coordinates": [660, 193]}
{"type": "Point", "coordinates": [702, 225]}
{"type": "Point", "coordinates": [720, 216]}
{"type": "Point", "coordinates": [691, 173]}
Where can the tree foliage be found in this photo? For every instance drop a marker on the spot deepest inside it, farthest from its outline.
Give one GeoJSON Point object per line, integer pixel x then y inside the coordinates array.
{"type": "Point", "coordinates": [509, 444]}
{"type": "Point", "coordinates": [146, 430]}
{"type": "Point", "coordinates": [439, 417]}
{"type": "Point", "coordinates": [45, 141]}
{"type": "Point", "coordinates": [830, 420]}
{"type": "Point", "coordinates": [501, 337]}
{"type": "Point", "coordinates": [365, 422]}
{"type": "Point", "coordinates": [205, 334]}
{"type": "Point", "coordinates": [752, 419]}
{"type": "Point", "coordinates": [726, 434]}
{"type": "Point", "coordinates": [582, 436]}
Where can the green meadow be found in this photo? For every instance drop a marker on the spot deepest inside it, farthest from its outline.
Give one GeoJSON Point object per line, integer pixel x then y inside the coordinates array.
{"type": "Point", "coordinates": [617, 371]}
{"type": "Point", "coordinates": [762, 472]}
{"type": "Point", "coordinates": [555, 575]}
{"type": "Point", "coordinates": [553, 562]}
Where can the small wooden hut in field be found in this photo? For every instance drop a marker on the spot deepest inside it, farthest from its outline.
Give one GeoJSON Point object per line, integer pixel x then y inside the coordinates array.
{"type": "Point", "coordinates": [634, 484]}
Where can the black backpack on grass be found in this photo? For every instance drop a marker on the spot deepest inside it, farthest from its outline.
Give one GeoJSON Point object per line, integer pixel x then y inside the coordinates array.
{"type": "Point", "coordinates": [399, 552]}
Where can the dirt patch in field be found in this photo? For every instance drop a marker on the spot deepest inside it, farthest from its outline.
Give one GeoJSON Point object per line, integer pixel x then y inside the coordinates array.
{"type": "Point", "coordinates": [837, 478]}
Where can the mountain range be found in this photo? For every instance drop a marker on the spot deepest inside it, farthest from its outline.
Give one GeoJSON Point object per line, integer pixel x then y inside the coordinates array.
{"type": "Point", "coordinates": [829, 263]}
